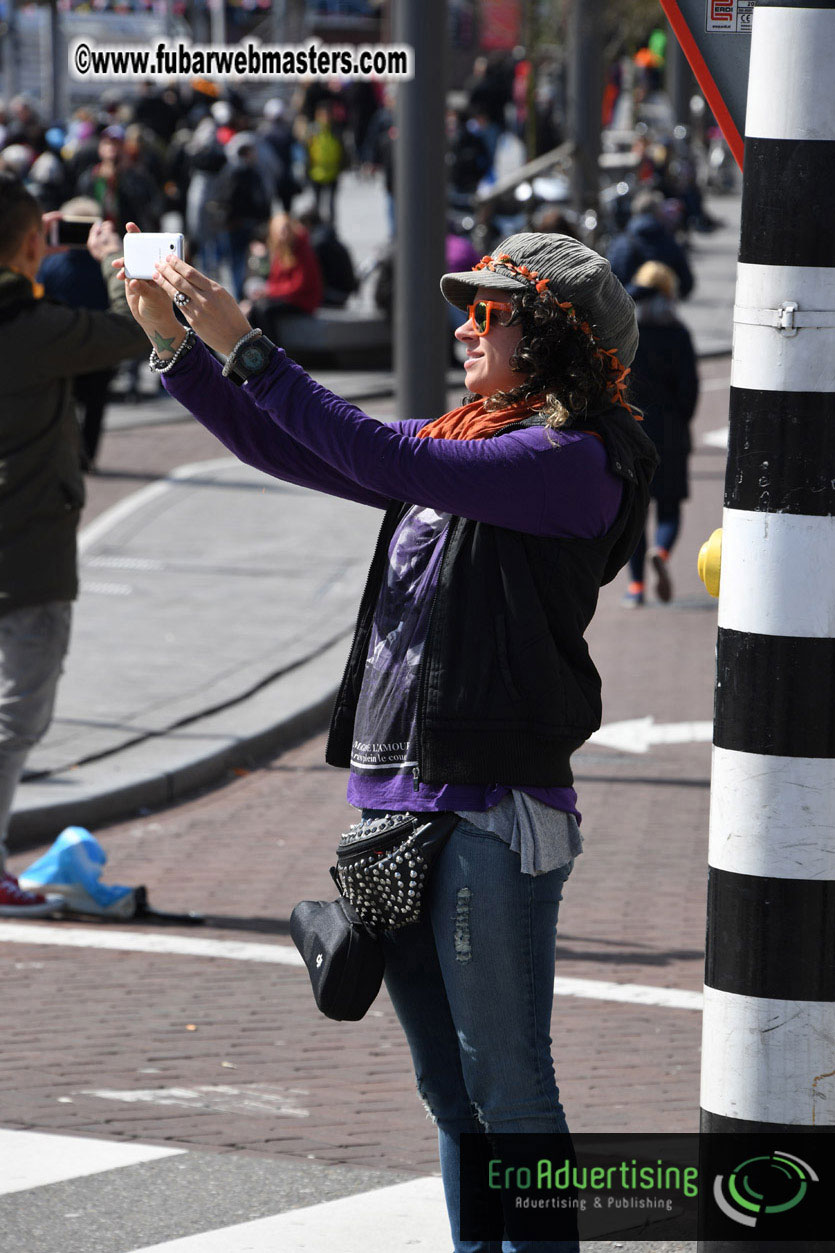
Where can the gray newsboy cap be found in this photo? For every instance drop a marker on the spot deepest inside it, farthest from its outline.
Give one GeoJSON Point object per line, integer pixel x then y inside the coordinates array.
{"type": "Point", "coordinates": [574, 272]}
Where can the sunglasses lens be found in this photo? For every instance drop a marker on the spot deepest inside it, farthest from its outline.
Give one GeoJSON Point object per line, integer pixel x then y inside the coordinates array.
{"type": "Point", "coordinates": [480, 317]}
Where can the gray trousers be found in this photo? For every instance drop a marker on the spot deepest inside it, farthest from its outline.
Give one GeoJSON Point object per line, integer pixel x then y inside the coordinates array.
{"type": "Point", "coordinates": [33, 644]}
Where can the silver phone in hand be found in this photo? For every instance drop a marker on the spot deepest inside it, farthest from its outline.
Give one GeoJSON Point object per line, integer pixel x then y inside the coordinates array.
{"type": "Point", "coordinates": [143, 250]}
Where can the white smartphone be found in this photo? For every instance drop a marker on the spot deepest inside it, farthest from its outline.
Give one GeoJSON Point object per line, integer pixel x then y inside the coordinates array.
{"type": "Point", "coordinates": [144, 249]}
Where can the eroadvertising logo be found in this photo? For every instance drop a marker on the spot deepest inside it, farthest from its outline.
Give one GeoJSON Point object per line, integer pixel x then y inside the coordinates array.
{"type": "Point", "coordinates": [717, 1186]}
{"type": "Point", "coordinates": [768, 1184]}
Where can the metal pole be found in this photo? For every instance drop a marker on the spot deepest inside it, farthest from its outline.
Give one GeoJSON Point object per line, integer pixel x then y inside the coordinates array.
{"type": "Point", "coordinates": [531, 41]}
{"type": "Point", "coordinates": [768, 1063]}
{"type": "Point", "coordinates": [585, 87]}
{"type": "Point", "coordinates": [277, 21]}
{"type": "Point", "coordinates": [217, 22]}
{"type": "Point", "coordinates": [680, 82]}
{"type": "Point", "coordinates": [54, 66]}
{"type": "Point", "coordinates": [11, 52]}
{"type": "Point", "coordinates": [59, 57]}
{"type": "Point", "coordinates": [421, 326]}
{"type": "Point", "coordinates": [294, 17]}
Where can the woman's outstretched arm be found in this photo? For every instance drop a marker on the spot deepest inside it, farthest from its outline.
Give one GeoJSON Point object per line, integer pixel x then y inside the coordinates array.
{"type": "Point", "coordinates": [521, 481]}
{"type": "Point", "coordinates": [225, 409]}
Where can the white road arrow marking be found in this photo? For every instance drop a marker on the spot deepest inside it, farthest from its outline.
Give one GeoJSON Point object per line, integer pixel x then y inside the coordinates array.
{"type": "Point", "coordinates": [637, 735]}
{"type": "Point", "coordinates": [717, 438]}
{"type": "Point", "coordinates": [221, 1098]}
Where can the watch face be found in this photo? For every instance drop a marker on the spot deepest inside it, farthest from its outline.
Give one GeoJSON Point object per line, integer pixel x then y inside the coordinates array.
{"type": "Point", "coordinates": [254, 356]}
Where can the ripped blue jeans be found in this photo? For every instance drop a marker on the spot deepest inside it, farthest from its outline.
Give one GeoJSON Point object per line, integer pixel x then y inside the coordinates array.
{"type": "Point", "coordinates": [472, 983]}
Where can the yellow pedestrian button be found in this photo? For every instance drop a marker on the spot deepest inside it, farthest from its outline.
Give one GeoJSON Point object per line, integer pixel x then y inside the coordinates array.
{"type": "Point", "coordinates": [710, 562]}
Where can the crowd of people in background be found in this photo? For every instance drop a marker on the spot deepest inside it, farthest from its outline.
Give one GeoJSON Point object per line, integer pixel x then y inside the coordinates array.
{"type": "Point", "coordinates": [226, 166]}
{"type": "Point", "coordinates": [256, 192]}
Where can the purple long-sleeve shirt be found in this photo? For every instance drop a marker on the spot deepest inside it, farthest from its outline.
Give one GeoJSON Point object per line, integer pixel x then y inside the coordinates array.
{"type": "Point", "coordinates": [533, 480]}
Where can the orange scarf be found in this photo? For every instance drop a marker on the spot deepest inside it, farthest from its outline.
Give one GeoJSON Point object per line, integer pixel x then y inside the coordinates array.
{"type": "Point", "coordinates": [473, 421]}
{"type": "Point", "coordinates": [37, 288]}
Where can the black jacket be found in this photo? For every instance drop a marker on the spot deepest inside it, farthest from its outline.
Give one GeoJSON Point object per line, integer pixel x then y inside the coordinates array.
{"type": "Point", "coordinates": [647, 239]}
{"type": "Point", "coordinates": [44, 345]}
{"type": "Point", "coordinates": [508, 690]}
{"type": "Point", "coordinates": [665, 387]}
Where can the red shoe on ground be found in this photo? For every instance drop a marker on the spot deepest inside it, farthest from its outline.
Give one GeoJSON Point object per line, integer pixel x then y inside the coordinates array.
{"type": "Point", "coordinates": [15, 903]}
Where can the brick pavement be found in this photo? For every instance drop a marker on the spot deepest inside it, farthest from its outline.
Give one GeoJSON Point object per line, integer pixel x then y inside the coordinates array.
{"type": "Point", "coordinates": [245, 853]}
{"type": "Point", "coordinates": [120, 1021]}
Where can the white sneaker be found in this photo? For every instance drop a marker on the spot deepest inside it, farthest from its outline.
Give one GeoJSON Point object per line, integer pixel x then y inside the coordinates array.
{"type": "Point", "coordinates": [113, 902]}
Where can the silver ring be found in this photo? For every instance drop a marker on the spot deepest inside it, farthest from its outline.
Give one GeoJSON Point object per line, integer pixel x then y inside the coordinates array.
{"type": "Point", "coordinates": [181, 299]}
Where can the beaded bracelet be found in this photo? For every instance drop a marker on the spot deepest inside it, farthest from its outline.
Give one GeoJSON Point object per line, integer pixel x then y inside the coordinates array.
{"type": "Point", "coordinates": [160, 366]}
{"type": "Point", "coordinates": [229, 366]}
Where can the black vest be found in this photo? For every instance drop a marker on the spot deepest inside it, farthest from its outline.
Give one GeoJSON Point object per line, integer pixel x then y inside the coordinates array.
{"type": "Point", "coordinates": [507, 689]}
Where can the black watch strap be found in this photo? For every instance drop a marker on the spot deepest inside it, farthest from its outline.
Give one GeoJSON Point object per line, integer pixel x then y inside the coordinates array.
{"type": "Point", "coordinates": [253, 358]}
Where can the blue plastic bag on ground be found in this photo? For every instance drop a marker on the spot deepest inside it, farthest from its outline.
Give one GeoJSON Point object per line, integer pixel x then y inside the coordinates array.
{"type": "Point", "coordinates": [71, 869]}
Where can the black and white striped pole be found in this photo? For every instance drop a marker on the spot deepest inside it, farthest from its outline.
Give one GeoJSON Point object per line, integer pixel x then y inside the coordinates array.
{"type": "Point", "coordinates": [769, 1021]}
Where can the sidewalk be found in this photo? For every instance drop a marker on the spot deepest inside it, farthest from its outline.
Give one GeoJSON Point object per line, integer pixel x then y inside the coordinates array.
{"type": "Point", "coordinates": [204, 635]}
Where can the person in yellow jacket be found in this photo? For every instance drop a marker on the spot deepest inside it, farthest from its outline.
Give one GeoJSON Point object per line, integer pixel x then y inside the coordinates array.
{"type": "Point", "coordinates": [325, 161]}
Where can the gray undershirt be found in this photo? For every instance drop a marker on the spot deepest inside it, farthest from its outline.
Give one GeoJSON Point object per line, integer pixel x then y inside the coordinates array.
{"type": "Point", "coordinates": [545, 838]}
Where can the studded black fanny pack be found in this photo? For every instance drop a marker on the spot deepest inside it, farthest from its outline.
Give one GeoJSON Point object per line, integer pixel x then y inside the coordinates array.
{"type": "Point", "coordinates": [382, 865]}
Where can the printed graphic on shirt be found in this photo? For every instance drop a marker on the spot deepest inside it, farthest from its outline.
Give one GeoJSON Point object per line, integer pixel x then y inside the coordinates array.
{"type": "Point", "coordinates": [386, 720]}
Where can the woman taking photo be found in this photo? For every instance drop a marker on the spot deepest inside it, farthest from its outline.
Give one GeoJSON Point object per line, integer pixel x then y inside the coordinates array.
{"type": "Point", "coordinates": [469, 683]}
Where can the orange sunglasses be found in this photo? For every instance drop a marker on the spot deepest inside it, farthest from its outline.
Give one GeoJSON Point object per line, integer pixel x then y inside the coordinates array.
{"type": "Point", "coordinates": [479, 314]}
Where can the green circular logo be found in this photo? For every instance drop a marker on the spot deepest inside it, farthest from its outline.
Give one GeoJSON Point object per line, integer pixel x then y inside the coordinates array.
{"type": "Point", "coordinates": [771, 1184]}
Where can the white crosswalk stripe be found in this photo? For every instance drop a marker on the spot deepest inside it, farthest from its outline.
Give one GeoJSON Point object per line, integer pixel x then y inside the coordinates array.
{"type": "Point", "coordinates": [407, 1216]}
{"type": "Point", "coordinates": [355, 1224]}
{"type": "Point", "coordinates": [31, 1159]}
{"type": "Point", "coordinates": [286, 955]}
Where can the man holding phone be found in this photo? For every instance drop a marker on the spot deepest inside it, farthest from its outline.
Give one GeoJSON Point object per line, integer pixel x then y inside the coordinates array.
{"type": "Point", "coordinates": [42, 346]}
{"type": "Point", "coordinates": [72, 275]}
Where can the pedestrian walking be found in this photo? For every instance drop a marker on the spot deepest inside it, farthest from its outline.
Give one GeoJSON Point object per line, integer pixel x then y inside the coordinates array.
{"type": "Point", "coordinates": [469, 683]}
{"type": "Point", "coordinates": [468, 157]}
{"type": "Point", "coordinates": [44, 344]}
{"type": "Point", "coordinates": [378, 152]}
{"type": "Point", "coordinates": [240, 204]}
{"type": "Point", "coordinates": [277, 130]}
{"type": "Point", "coordinates": [120, 184]}
{"type": "Point", "coordinates": [665, 386]}
{"type": "Point", "coordinates": [205, 218]}
{"type": "Point", "coordinates": [326, 161]}
{"type": "Point", "coordinates": [646, 237]}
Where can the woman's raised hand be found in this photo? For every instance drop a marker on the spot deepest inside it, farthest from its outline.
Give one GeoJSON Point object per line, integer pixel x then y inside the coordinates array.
{"type": "Point", "coordinates": [151, 307]}
{"type": "Point", "coordinates": [103, 240]}
{"type": "Point", "coordinates": [208, 307]}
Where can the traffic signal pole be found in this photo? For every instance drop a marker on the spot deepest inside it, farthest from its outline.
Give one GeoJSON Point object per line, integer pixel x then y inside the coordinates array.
{"type": "Point", "coordinates": [421, 325]}
{"type": "Point", "coordinates": [769, 1021]}
{"type": "Point", "coordinates": [585, 87]}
